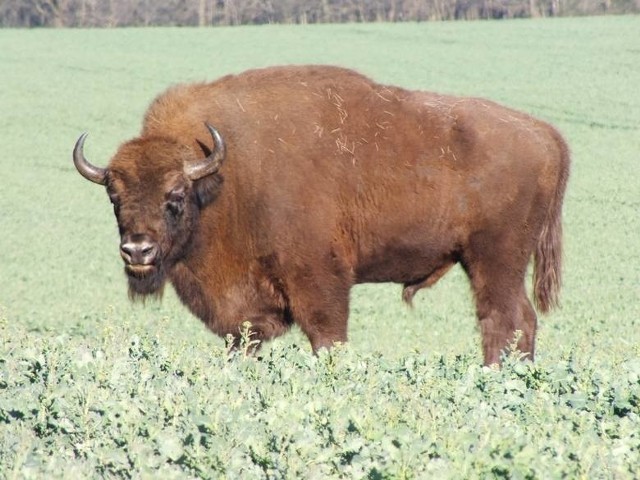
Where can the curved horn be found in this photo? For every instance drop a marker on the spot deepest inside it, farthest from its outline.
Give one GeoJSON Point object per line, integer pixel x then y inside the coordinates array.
{"type": "Point", "coordinates": [196, 169]}
{"type": "Point", "coordinates": [90, 172]}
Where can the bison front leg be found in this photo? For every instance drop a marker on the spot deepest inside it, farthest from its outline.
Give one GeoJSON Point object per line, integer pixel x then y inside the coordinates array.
{"type": "Point", "coordinates": [325, 329]}
{"type": "Point", "coordinates": [321, 309]}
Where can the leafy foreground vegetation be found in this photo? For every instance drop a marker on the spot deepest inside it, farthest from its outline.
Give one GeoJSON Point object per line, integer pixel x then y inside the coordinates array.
{"type": "Point", "coordinates": [136, 406]}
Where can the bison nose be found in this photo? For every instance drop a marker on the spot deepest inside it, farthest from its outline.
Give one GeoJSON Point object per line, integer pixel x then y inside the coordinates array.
{"type": "Point", "coordinates": [138, 250]}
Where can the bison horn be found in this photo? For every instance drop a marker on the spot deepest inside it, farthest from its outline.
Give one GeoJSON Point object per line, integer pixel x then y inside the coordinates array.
{"type": "Point", "coordinates": [90, 172]}
{"type": "Point", "coordinates": [196, 169]}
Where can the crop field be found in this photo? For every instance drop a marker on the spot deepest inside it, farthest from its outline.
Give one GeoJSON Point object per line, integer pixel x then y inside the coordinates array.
{"type": "Point", "coordinates": [93, 386]}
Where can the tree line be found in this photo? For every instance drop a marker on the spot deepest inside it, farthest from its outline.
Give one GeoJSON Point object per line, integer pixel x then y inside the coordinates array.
{"type": "Point", "coordinates": [125, 13]}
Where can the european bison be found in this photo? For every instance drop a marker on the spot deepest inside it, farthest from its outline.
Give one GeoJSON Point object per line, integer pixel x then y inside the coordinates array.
{"type": "Point", "coordinates": [317, 178]}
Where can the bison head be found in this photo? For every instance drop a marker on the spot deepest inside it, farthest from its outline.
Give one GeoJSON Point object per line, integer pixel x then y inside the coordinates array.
{"type": "Point", "coordinates": [157, 187]}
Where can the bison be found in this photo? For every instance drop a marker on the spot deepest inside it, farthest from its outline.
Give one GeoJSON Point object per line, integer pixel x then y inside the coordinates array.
{"type": "Point", "coordinates": [316, 178]}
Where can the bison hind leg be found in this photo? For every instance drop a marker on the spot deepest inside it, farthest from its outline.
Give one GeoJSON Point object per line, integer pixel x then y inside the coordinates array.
{"type": "Point", "coordinates": [411, 288]}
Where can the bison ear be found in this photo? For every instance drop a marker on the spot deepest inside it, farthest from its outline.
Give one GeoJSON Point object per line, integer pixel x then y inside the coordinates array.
{"type": "Point", "coordinates": [207, 189]}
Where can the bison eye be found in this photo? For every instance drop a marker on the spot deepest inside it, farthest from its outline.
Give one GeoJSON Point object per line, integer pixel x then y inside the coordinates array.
{"type": "Point", "coordinates": [115, 201]}
{"type": "Point", "coordinates": [175, 201]}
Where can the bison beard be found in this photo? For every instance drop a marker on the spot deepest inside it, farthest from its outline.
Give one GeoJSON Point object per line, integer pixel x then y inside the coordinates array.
{"type": "Point", "coordinates": [147, 282]}
{"type": "Point", "coordinates": [333, 180]}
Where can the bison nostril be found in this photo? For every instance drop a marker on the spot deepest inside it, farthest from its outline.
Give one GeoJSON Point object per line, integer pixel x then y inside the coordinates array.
{"type": "Point", "coordinates": [126, 251]}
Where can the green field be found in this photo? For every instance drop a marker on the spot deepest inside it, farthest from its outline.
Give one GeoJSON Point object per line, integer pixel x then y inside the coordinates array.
{"type": "Point", "coordinates": [92, 386]}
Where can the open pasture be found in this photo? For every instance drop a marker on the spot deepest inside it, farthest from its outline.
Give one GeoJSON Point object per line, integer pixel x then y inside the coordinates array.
{"type": "Point", "coordinates": [93, 386]}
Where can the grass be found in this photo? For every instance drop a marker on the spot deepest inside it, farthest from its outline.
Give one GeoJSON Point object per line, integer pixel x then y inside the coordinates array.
{"type": "Point", "coordinates": [90, 385]}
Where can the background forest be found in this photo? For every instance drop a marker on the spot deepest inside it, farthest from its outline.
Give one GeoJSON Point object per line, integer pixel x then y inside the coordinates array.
{"type": "Point", "coordinates": [121, 13]}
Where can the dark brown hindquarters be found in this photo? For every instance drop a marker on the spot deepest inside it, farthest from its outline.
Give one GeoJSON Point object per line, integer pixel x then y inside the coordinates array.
{"type": "Point", "coordinates": [496, 263]}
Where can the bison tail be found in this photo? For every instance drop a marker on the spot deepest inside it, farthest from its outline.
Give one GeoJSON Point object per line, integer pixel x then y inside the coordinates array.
{"type": "Point", "coordinates": [547, 275]}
